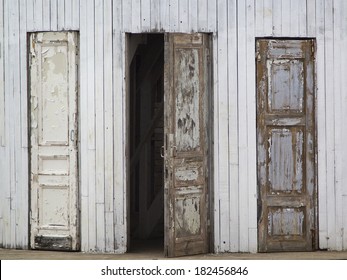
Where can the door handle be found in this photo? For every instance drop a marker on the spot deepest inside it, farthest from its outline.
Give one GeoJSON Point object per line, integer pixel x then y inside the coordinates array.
{"type": "Point", "coordinates": [162, 151]}
{"type": "Point", "coordinates": [72, 135]}
{"type": "Point", "coordinates": [174, 150]}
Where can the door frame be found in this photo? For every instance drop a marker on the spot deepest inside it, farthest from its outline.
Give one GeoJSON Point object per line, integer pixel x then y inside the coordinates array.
{"type": "Point", "coordinates": [315, 233]}
{"type": "Point", "coordinates": [210, 140]}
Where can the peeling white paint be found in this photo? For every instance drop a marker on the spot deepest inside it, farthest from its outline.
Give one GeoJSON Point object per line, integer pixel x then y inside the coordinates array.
{"type": "Point", "coordinates": [53, 155]}
{"type": "Point", "coordinates": [187, 99]}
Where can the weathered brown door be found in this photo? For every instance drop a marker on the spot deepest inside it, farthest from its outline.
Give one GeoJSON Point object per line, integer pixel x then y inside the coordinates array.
{"type": "Point", "coordinates": [286, 145]}
{"type": "Point", "coordinates": [186, 146]}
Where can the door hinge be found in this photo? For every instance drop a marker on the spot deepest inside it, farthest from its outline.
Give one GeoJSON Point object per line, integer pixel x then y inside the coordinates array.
{"type": "Point", "coordinates": [257, 53]}
{"type": "Point", "coordinates": [313, 51]}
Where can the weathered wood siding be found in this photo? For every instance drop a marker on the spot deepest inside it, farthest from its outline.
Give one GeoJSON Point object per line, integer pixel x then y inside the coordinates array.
{"type": "Point", "coordinates": [235, 24]}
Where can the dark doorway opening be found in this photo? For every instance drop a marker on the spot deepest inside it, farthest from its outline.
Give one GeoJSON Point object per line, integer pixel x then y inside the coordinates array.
{"type": "Point", "coordinates": [146, 134]}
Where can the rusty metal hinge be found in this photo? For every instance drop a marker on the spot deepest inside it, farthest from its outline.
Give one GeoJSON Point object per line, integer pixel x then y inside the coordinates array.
{"type": "Point", "coordinates": [257, 53]}
{"type": "Point", "coordinates": [313, 51]}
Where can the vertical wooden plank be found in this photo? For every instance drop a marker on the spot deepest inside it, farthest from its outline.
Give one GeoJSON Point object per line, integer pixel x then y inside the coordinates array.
{"type": "Point", "coordinates": [311, 18]}
{"type": "Point", "coordinates": [165, 15]}
{"type": "Point", "coordinates": [184, 16]}
{"type": "Point", "coordinates": [15, 123]}
{"type": "Point", "coordinates": [91, 125]}
{"type": "Point", "coordinates": [344, 226]}
{"type": "Point", "coordinates": [60, 15]}
{"type": "Point", "coordinates": [221, 124]}
{"type": "Point", "coordinates": [68, 14]}
{"type": "Point", "coordinates": [339, 124]}
{"type": "Point", "coordinates": [243, 141]}
{"type": "Point", "coordinates": [277, 17]}
{"type": "Point", "coordinates": [251, 129]}
{"type": "Point", "coordinates": [38, 15]}
{"type": "Point", "coordinates": [286, 18]}
{"type": "Point", "coordinates": [233, 128]}
{"type": "Point", "coordinates": [267, 14]}
{"type": "Point", "coordinates": [193, 15]}
{"type": "Point", "coordinates": [202, 15]}
{"type": "Point", "coordinates": [321, 125]}
{"type": "Point", "coordinates": [30, 15]}
{"type": "Point", "coordinates": [212, 15]}
{"type": "Point", "coordinates": [344, 110]}
{"type": "Point", "coordinates": [136, 16]}
{"type": "Point", "coordinates": [46, 15]}
{"type": "Point", "coordinates": [108, 127]}
{"type": "Point", "coordinates": [99, 129]}
{"type": "Point", "coordinates": [2, 85]}
{"type": "Point", "coordinates": [302, 18]}
{"type": "Point", "coordinates": [6, 205]}
{"type": "Point", "coordinates": [2, 123]}
{"type": "Point", "coordinates": [54, 14]}
{"type": "Point", "coordinates": [174, 15]}
{"type": "Point", "coordinates": [145, 15]}
{"type": "Point", "coordinates": [126, 14]}
{"type": "Point", "coordinates": [259, 17]}
{"type": "Point", "coordinates": [23, 73]}
{"type": "Point", "coordinates": [294, 17]}
{"type": "Point", "coordinates": [119, 97]}
{"type": "Point", "coordinates": [330, 125]}
{"type": "Point", "coordinates": [155, 15]}
{"type": "Point", "coordinates": [22, 216]}
{"type": "Point", "coordinates": [83, 134]}
{"type": "Point", "coordinates": [75, 14]}
{"type": "Point", "coordinates": [214, 169]}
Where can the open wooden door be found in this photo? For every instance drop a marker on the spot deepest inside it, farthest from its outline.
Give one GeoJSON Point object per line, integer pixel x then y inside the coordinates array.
{"type": "Point", "coordinates": [53, 139]}
{"type": "Point", "coordinates": [187, 91]}
{"type": "Point", "coordinates": [286, 145]}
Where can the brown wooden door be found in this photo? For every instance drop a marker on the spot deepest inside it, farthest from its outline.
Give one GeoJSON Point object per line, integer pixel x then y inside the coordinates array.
{"type": "Point", "coordinates": [187, 87]}
{"type": "Point", "coordinates": [286, 145]}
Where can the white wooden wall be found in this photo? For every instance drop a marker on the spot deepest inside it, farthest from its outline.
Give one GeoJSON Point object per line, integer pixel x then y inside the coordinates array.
{"type": "Point", "coordinates": [235, 24]}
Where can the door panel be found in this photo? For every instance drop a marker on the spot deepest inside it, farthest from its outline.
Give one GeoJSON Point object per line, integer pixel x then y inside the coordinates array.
{"type": "Point", "coordinates": [286, 145]}
{"type": "Point", "coordinates": [186, 145]}
{"type": "Point", "coordinates": [53, 137]}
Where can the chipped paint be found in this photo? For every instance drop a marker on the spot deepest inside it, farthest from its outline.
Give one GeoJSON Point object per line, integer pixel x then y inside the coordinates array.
{"type": "Point", "coordinates": [186, 158]}
{"type": "Point", "coordinates": [53, 109]}
{"type": "Point", "coordinates": [285, 76]}
{"type": "Point", "coordinates": [187, 217]}
{"type": "Point", "coordinates": [286, 145]}
{"type": "Point", "coordinates": [286, 222]}
{"type": "Point", "coordinates": [187, 99]}
{"type": "Point", "coordinates": [285, 160]}
{"type": "Point", "coordinates": [186, 174]}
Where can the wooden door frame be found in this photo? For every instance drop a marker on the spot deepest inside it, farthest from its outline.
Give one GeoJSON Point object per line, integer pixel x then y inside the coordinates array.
{"type": "Point", "coordinates": [210, 129]}
{"type": "Point", "coordinates": [315, 237]}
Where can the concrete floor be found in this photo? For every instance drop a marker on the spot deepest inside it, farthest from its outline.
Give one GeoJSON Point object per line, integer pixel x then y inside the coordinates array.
{"type": "Point", "coordinates": [154, 251]}
{"type": "Point", "coordinates": [50, 255]}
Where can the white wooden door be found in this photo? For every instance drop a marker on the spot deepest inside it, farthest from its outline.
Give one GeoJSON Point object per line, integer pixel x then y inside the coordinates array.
{"type": "Point", "coordinates": [53, 138]}
{"type": "Point", "coordinates": [186, 176]}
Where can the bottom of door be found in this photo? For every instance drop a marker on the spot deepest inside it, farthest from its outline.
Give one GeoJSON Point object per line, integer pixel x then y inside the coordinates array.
{"type": "Point", "coordinates": [56, 243]}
